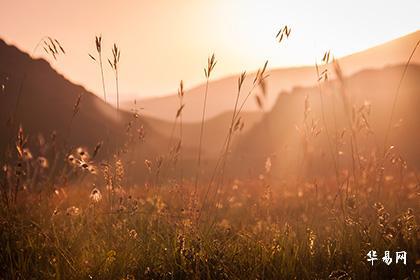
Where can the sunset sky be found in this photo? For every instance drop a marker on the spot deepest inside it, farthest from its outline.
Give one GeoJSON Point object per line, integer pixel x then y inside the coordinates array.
{"type": "Point", "coordinates": [163, 42]}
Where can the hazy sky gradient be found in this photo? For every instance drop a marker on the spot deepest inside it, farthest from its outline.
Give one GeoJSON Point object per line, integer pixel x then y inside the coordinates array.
{"type": "Point", "coordinates": [164, 41]}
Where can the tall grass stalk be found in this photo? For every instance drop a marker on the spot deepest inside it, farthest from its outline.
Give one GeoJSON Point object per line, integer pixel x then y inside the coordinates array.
{"type": "Point", "coordinates": [179, 113]}
{"type": "Point", "coordinates": [391, 117]}
{"type": "Point", "coordinates": [259, 78]}
{"type": "Point", "coordinates": [321, 76]}
{"type": "Point", "coordinates": [98, 44]}
{"type": "Point", "coordinates": [211, 63]}
{"type": "Point", "coordinates": [114, 65]}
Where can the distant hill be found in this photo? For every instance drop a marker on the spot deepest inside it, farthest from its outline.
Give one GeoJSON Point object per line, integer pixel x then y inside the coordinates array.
{"type": "Point", "coordinates": [370, 93]}
{"type": "Point", "coordinates": [215, 131]}
{"type": "Point", "coordinates": [222, 92]}
{"type": "Point", "coordinates": [47, 102]}
{"type": "Point", "coordinates": [46, 105]}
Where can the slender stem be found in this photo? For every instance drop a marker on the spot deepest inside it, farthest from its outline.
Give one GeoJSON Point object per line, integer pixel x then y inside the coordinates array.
{"type": "Point", "coordinates": [102, 74]}
{"type": "Point", "coordinates": [118, 92]}
{"type": "Point", "coordinates": [326, 128]}
{"type": "Point", "coordinates": [228, 141]}
{"type": "Point", "coordinates": [229, 136]}
{"type": "Point", "coordinates": [201, 137]}
{"type": "Point", "coordinates": [180, 137]}
{"type": "Point", "coordinates": [221, 157]}
{"type": "Point", "coordinates": [394, 105]}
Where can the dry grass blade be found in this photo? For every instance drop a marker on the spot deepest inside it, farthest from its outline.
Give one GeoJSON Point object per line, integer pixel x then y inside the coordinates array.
{"type": "Point", "coordinates": [92, 57]}
{"type": "Point", "coordinates": [76, 105]}
{"type": "Point", "coordinates": [241, 80]}
{"type": "Point", "coordinates": [98, 44]}
{"type": "Point", "coordinates": [284, 32]}
{"type": "Point", "coordinates": [51, 46]}
{"type": "Point", "coordinates": [181, 89]}
{"type": "Point", "coordinates": [114, 65]}
{"type": "Point", "coordinates": [97, 148]}
{"type": "Point", "coordinates": [179, 111]}
{"type": "Point", "coordinates": [211, 63]}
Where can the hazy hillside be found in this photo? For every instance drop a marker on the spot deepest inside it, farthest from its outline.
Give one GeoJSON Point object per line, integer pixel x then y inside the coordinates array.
{"type": "Point", "coordinates": [281, 133]}
{"type": "Point", "coordinates": [46, 108]}
{"type": "Point", "coordinates": [46, 105]}
{"type": "Point", "coordinates": [215, 132]}
{"type": "Point", "coordinates": [222, 92]}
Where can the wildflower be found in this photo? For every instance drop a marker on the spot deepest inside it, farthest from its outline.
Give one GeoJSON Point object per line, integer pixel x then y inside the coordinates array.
{"type": "Point", "coordinates": [92, 169]}
{"type": "Point", "coordinates": [71, 159]}
{"type": "Point", "coordinates": [73, 211]}
{"type": "Point", "coordinates": [133, 233]}
{"type": "Point", "coordinates": [43, 162]}
{"type": "Point", "coordinates": [95, 195]}
{"type": "Point", "coordinates": [83, 153]}
{"type": "Point", "coordinates": [83, 164]}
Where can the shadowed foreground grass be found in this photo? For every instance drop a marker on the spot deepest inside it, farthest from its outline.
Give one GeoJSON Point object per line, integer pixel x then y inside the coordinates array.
{"type": "Point", "coordinates": [253, 232]}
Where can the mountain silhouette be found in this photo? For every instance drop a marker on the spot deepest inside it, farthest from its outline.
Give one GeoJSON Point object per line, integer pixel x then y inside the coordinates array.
{"type": "Point", "coordinates": [41, 101]}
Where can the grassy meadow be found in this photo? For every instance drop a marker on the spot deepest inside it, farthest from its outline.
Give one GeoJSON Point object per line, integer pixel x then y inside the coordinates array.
{"type": "Point", "coordinates": [66, 212]}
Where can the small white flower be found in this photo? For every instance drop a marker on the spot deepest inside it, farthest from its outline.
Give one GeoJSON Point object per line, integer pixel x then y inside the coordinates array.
{"type": "Point", "coordinates": [43, 162]}
{"type": "Point", "coordinates": [95, 195]}
{"type": "Point", "coordinates": [73, 211]}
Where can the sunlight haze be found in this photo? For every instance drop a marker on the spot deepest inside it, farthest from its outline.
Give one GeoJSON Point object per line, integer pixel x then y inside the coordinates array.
{"type": "Point", "coordinates": [163, 42]}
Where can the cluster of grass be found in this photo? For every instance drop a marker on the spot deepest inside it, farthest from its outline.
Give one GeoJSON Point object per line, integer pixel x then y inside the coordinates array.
{"type": "Point", "coordinates": [89, 224]}
{"type": "Point", "coordinates": [260, 233]}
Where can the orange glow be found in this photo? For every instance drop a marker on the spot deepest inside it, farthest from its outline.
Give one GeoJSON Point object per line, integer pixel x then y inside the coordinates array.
{"type": "Point", "coordinates": [163, 42]}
